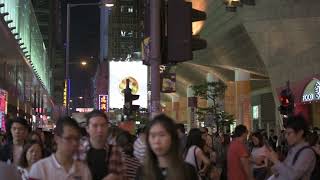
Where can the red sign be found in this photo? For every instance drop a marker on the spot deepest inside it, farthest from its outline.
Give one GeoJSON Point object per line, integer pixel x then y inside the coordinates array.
{"type": "Point", "coordinates": [3, 108]}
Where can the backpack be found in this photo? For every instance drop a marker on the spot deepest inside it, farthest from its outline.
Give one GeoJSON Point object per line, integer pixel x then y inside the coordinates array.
{"type": "Point", "coordinates": [315, 175]}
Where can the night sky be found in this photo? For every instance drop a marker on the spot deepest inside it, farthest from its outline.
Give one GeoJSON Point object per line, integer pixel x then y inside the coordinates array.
{"type": "Point", "coordinates": [84, 45]}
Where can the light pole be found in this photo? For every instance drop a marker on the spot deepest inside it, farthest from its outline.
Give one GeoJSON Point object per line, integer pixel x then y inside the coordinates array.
{"type": "Point", "coordinates": [106, 3]}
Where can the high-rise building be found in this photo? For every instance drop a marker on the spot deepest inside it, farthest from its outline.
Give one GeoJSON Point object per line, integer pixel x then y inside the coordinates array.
{"type": "Point", "coordinates": [48, 14]}
{"type": "Point", "coordinates": [125, 29]}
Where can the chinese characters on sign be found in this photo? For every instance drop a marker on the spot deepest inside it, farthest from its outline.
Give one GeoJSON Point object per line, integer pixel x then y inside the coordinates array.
{"type": "Point", "coordinates": [65, 92]}
{"type": "Point", "coordinates": [103, 103]}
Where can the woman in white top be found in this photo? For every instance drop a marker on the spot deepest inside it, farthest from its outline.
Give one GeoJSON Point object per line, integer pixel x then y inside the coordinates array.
{"type": "Point", "coordinates": [258, 157]}
{"type": "Point", "coordinates": [193, 152]}
{"type": "Point", "coordinates": [32, 152]}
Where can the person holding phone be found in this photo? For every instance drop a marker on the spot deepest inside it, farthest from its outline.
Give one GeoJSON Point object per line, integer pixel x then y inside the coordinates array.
{"type": "Point", "coordinates": [300, 161]}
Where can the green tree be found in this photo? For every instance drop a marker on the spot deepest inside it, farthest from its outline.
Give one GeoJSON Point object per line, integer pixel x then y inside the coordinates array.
{"type": "Point", "coordinates": [212, 91]}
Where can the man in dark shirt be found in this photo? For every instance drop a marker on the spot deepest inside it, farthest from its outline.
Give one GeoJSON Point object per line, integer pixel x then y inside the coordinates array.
{"type": "Point", "coordinates": [104, 160]}
{"type": "Point", "coordinates": [10, 152]}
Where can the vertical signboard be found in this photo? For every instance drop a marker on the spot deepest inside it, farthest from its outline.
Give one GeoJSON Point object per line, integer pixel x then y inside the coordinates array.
{"type": "Point", "coordinates": [3, 108]}
{"type": "Point", "coordinates": [66, 92]}
{"type": "Point", "coordinates": [103, 103]}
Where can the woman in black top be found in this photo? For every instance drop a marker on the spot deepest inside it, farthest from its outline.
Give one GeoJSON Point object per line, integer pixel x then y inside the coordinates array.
{"type": "Point", "coordinates": [163, 160]}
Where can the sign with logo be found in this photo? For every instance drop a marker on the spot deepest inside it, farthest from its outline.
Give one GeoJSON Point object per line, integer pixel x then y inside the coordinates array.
{"type": "Point", "coordinates": [312, 91]}
{"type": "Point", "coordinates": [103, 103]}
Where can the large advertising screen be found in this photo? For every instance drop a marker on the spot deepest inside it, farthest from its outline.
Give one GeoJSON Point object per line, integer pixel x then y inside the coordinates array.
{"type": "Point", "coordinates": [137, 73]}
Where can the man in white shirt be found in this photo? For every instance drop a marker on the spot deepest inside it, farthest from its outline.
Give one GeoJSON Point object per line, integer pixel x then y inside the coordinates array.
{"type": "Point", "coordinates": [61, 165]}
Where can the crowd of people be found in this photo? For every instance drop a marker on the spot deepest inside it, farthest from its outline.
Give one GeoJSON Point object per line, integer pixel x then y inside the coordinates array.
{"type": "Point", "coordinates": [162, 150]}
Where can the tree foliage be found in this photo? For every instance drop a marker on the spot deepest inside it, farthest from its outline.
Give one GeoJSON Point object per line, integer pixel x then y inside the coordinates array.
{"type": "Point", "coordinates": [212, 91]}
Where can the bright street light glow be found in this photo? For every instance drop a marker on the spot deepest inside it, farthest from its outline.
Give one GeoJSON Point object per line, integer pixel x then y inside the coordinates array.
{"type": "Point", "coordinates": [80, 97]}
{"type": "Point", "coordinates": [109, 5]}
{"type": "Point", "coordinates": [83, 63]}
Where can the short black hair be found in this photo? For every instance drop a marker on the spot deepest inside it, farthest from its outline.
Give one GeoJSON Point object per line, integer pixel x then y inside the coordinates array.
{"type": "Point", "coordinates": [141, 130]}
{"type": "Point", "coordinates": [181, 128]}
{"type": "Point", "coordinates": [95, 113]}
{"type": "Point", "coordinates": [65, 121]}
{"type": "Point", "coordinates": [298, 123]}
{"type": "Point", "coordinates": [21, 121]}
{"type": "Point", "coordinates": [240, 130]}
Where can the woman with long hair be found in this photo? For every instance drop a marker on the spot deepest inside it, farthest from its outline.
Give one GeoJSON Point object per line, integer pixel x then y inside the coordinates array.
{"type": "Point", "coordinates": [32, 152]}
{"type": "Point", "coordinates": [193, 152]}
{"type": "Point", "coordinates": [259, 156]}
{"type": "Point", "coordinates": [163, 160]}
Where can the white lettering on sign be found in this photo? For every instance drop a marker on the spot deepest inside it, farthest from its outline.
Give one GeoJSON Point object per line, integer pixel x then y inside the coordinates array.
{"type": "Point", "coordinates": [317, 90]}
{"type": "Point", "coordinates": [308, 97]}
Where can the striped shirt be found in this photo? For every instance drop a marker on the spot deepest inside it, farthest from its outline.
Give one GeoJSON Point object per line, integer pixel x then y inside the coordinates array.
{"type": "Point", "coordinates": [139, 149]}
{"type": "Point", "coordinates": [131, 166]}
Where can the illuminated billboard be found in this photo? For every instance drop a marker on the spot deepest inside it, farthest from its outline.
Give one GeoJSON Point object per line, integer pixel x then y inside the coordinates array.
{"type": "Point", "coordinates": [103, 103]}
{"type": "Point", "coordinates": [137, 73]}
{"type": "Point", "coordinates": [3, 108]}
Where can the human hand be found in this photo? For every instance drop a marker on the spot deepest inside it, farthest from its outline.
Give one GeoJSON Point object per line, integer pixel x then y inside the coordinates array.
{"type": "Point", "coordinates": [272, 156]}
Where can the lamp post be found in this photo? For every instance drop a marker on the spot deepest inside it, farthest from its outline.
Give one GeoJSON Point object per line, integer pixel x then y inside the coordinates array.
{"type": "Point", "coordinates": [106, 3]}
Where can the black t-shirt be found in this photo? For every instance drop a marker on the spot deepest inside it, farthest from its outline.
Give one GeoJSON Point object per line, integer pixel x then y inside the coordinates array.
{"type": "Point", "coordinates": [162, 173]}
{"type": "Point", "coordinates": [96, 159]}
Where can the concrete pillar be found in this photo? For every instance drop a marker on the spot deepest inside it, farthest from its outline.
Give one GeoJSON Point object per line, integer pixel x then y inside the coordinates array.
{"type": "Point", "coordinates": [175, 107]}
{"type": "Point", "coordinates": [191, 109]}
{"type": "Point", "coordinates": [243, 98]}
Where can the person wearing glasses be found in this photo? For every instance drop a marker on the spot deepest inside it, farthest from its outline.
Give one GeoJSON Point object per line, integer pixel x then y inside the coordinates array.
{"type": "Point", "coordinates": [61, 164]}
{"type": "Point", "coordinates": [301, 160]}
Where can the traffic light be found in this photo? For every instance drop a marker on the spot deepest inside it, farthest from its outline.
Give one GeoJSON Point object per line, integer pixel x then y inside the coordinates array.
{"type": "Point", "coordinates": [128, 107]}
{"type": "Point", "coordinates": [286, 102]}
{"type": "Point", "coordinates": [178, 42]}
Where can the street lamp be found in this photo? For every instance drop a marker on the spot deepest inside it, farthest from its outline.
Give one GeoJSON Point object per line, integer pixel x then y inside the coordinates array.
{"type": "Point", "coordinates": [83, 63]}
{"type": "Point", "coordinates": [105, 3]}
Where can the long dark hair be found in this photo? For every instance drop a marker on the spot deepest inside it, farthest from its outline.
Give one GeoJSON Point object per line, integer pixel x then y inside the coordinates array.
{"type": "Point", "coordinates": [176, 163]}
{"type": "Point", "coordinates": [259, 136]}
{"type": "Point", "coordinates": [23, 162]}
{"type": "Point", "coordinates": [194, 139]}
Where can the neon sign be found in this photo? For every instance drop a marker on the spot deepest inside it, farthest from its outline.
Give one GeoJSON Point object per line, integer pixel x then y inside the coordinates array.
{"type": "Point", "coordinates": [103, 103]}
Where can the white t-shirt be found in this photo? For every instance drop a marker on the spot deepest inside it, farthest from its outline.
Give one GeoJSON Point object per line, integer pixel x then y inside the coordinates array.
{"type": "Point", "coordinates": [257, 152]}
{"type": "Point", "coordinates": [50, 169]}
{"type": "Point", "coordinates": [190, 157]}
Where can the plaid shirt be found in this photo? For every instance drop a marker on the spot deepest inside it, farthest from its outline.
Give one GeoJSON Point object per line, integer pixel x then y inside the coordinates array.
{"type": "Point", "coordinates": [116, 163]}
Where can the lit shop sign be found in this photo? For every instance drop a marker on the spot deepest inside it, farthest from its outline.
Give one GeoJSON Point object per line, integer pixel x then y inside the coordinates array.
{"type": "Point", "coordinates": [65, 92]}
{"type": "Point", "coordinates": [103, 103]}
{"type": "Point", "coordinates": [312, 91]}
{"type": "Point", "coordinates": [3, 108]}
{"type": "Point", "coordinates": [85, 110]}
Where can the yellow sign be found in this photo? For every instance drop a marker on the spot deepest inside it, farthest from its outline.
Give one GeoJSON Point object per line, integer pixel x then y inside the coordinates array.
{"type": "Point", "coordinates": [65, 93]}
